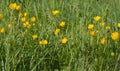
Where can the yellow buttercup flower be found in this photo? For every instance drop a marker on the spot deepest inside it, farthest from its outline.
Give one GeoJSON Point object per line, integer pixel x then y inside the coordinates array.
{"type": "Point", "coordinates": [90, 26]}
{"type": "Point", "coordinates": [23, 19]}
{"type": "Point", "coordinates": [2, 30]}
{"type": "Point", "coordinates": [55, 12]}
{"type": "Point", "coordinates": [17, 7]}
{"type": "Point", "coordinates": [57, 31]}
{"type": "Point", "coordinates": [115, 36]}
{"type": "Point", "coordinates": [102, 24]}
{"type": "Point", "coordinates": [118, 25]}
{"type": "Point", "coordinates": [43, 42]}
{"type": "Point", "coordinates": [103, 41]}
{"type": "Point", "coordinates": [92, 33]}
{"type": "Point", "coordinates": [97, 18]}
{"type": "Point", "coordinates": [0, 16]}
{"type": "Point", "coordinates": [107, 28]}
{"type": "Point", "coordinates": [13, 6]}
{"type": "Point", "coordinates": [25, 14]}
{"type": "Point", "coordinates": [33, 19]}
{"type": "Point", "coordinates": [34, 36]}
{"type": "Point", "coordinates": [62, 24]}
{"type": "Point", "coordinates": [64, 40]}
{"type": "Point", "coordinates": [27, 24]}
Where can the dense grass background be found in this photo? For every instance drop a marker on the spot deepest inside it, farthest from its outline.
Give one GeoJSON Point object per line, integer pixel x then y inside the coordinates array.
{"type": "Point", "coordinates": [19, 52]}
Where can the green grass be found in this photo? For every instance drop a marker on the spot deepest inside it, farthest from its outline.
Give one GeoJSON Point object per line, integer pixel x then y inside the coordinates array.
{"type": "Point", "coordinates": [82, 52]}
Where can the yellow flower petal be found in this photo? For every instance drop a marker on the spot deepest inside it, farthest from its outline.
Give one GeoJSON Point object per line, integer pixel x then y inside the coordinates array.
{"type": "Point", "coordinates": [55, 12]}
{"type": "Point", "coordinates": [64, 40]}
{"type": "Point", "coordinates": [97, 18]}
{"type": "Point", "coordinates": [115, 36]}
{"type": "Point", "coordinates": [90, 26]}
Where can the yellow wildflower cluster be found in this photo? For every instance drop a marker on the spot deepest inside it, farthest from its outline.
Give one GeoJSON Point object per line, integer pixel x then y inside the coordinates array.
{"type": "Point", "coordinates": [114, 36]}
{"type": "Point", "coordinates": [57, 31]}
{"type": "Point", "coordinates": [26, 24]}
{"type": "Point", "coordinates": [14, 6]}
{"type": "Point", "coordinates": [61, 24]}
{"type": "Point", "coordinates": [24, 20]}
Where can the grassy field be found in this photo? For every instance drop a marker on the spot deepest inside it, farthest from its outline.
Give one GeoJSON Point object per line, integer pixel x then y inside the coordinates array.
{"type": "Point", "coordinates": [59, 35]}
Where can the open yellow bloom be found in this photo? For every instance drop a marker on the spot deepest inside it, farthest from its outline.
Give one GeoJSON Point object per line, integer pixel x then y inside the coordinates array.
{"type": "Point", "coordinates": [103, 41]}
{"type": "Point", "coordinates": [92, 33]}
{"type": "Point", "coordinates": [118, 25]}
{"type": "Point", "coordinates": [29, 26]}
{"type": "Point", "coordinates": [43, 42]}
{"type": "Point", "coordinates": [23, 19]}
{"type": "Point", "coordinates": [26, 24]}
{"type": "Point", "coordinates": [64, 40]}
{"type": "Point", "coordinates": [97, 18]}
{"type": "Point", "coordinates": [107, 28]}
{"type": "Point", "coordinates": [33, 19]}
{"type": "Point", "coordinates": [0, 16]}
{"type": "Point", "coordinates": [25, 14]}
{"type": "Point", "coordinates": [55, 12]}
{"type": "Point", "coordinates": [34, 36]}
{"type": "Point", "coordinates": [12, 6]}
{"type": "Point", "coordinates": [90, 26]}
{"type": "Point", "coordinates": [62, 24]}
{"type": "Point", "coordinates": [2, 30]}
{"type": "Point", "coordinates": [17, 7]}
{"type": "Point", "coordinates": [102, 24]}
{"type": "Point", "coordinates": [115, 36]}
{"type": "Point", "coordinates": [57, 31]}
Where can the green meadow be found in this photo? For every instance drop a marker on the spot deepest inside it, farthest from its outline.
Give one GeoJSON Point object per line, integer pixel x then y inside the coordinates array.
{"type": "Point", "coordinates": [59, 35]}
